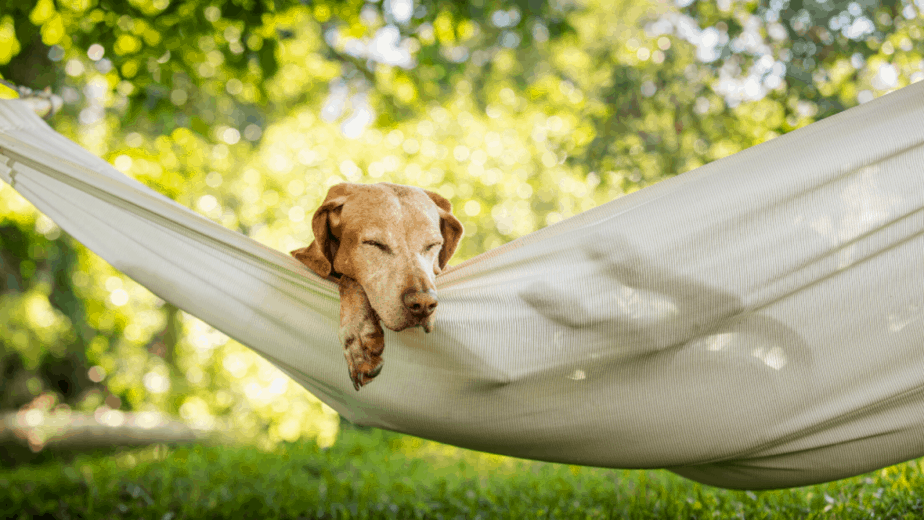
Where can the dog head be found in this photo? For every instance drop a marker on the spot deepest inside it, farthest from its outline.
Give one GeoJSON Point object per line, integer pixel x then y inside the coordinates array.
{"type": "Point", "coordinates": [392, 239]}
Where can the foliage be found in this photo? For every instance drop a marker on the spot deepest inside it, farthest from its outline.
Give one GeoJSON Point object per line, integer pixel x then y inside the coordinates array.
{"type": "Point", "coordinates": [521, 112]}
{"type": "Point", "coordinates": [823, 49]}
{"type": "Point", "coordinates": [379, 474]}
{"type": "Point", "coordinates": [169, 55]}
{"type": "Point", "coordinates": [41, 317]}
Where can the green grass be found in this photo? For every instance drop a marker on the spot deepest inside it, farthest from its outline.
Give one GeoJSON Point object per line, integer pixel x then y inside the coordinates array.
{"type": "Point", "coordinates": [376, 474]}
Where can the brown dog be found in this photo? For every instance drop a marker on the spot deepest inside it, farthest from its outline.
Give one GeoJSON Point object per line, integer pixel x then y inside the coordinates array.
{"type": "Point", "coordinates": [385, 244]}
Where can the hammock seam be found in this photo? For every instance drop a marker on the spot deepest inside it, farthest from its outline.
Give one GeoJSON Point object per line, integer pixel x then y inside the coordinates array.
{"type": "Point", "coordinates": [815, 428]}
{"type": "Point", "coordinates": [828, 254]}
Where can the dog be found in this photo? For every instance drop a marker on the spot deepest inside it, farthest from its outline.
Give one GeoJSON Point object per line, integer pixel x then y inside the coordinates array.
{"type": "Point", "coordinates": [384, 244]}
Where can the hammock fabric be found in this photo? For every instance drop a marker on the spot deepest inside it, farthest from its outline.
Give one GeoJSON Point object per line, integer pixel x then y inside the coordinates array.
{"type": "Point", "coordinates": [755, 323]}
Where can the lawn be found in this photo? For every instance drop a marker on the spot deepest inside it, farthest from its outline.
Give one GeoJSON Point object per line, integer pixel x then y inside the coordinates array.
{"type": "Point", "coordinates": [377, 474]}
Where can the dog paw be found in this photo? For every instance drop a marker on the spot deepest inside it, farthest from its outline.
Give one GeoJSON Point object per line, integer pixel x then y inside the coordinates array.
{"type": "Point", "coordinates": [363, 345]}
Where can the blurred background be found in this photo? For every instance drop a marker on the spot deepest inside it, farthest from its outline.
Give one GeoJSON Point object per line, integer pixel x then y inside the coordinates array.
{"type": "Point", "coordinates": [522, 113]}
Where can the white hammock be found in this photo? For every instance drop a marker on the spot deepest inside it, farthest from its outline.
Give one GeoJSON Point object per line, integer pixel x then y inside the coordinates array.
{"type": "Point", "coordinates": [755, 323]}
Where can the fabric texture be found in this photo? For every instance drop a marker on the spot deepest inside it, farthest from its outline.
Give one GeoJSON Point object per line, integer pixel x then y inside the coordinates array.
{"type": "Point", "coordinates": [755, 323]}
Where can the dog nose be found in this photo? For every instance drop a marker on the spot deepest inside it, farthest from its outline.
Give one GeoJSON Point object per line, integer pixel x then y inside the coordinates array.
{"type": "Point", "coordinates": [420, 303]}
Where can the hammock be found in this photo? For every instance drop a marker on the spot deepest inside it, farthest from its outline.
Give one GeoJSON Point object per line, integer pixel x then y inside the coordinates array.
{"type": "Point", "coordinates": [755, 323]}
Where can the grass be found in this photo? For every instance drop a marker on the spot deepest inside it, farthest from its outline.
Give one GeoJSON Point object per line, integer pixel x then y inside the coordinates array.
{"type": "Point", "coordinates": [377, 474]}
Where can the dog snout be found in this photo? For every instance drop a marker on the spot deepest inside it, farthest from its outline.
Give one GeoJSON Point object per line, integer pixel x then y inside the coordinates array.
{"type": "Point", "coordinates": [420, 303]}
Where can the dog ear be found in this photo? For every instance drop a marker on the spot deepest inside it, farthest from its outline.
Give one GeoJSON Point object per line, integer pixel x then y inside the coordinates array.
{"type": "Point", "coordinates": [319, 255]}
{"type": "Point", "coordinates": [450, 227]}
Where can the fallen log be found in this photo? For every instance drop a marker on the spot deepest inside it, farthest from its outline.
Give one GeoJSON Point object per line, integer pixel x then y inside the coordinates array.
{"type": "Point", "coordinates": [38, 429]}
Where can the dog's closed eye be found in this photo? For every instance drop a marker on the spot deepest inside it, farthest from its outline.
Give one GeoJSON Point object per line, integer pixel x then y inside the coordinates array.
{"type": "Point", "coordinates": [384, 248]}
{"type": "Point", "coordinates": [378, 245]}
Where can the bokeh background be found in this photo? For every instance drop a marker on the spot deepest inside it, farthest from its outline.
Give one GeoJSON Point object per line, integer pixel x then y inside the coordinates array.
{"type": "Point", "coordinates": [522, 113]}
